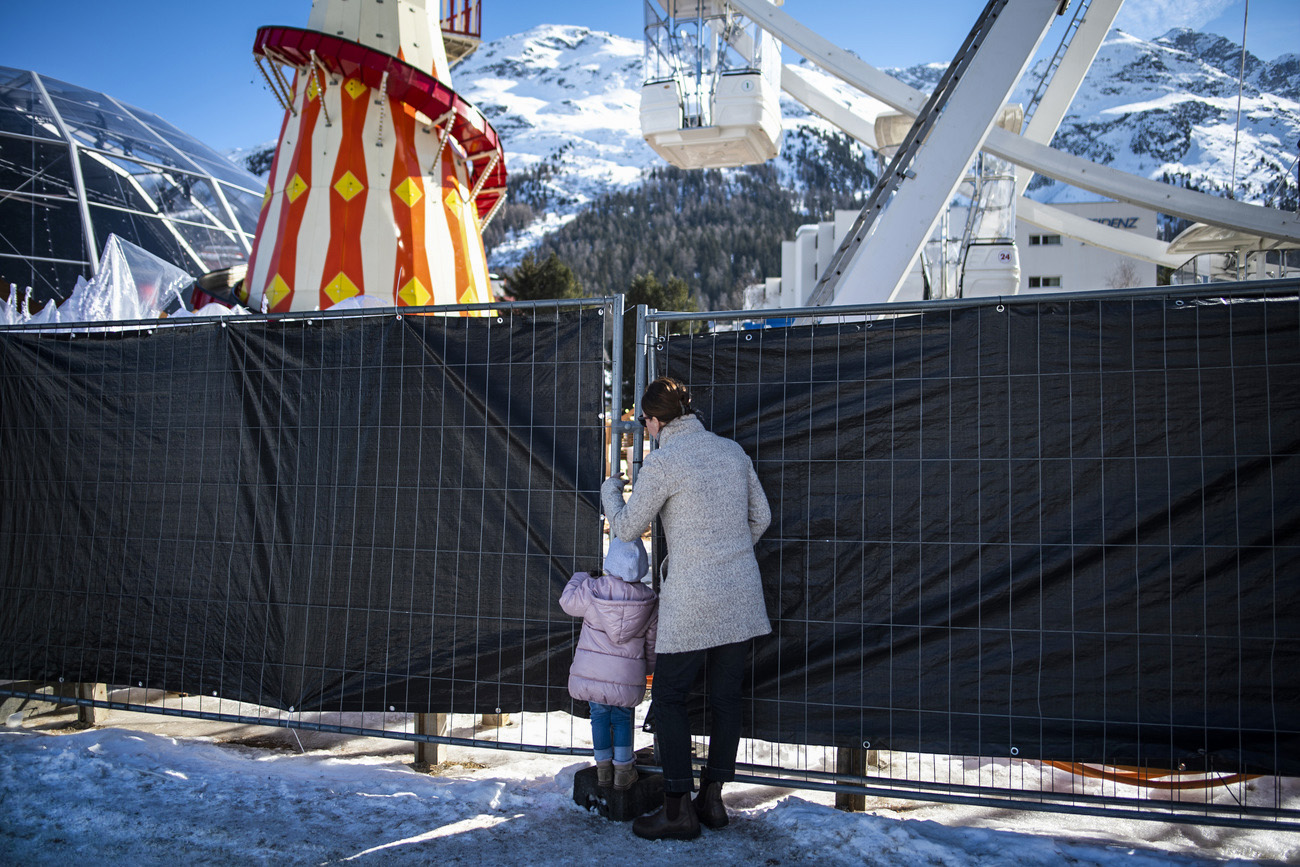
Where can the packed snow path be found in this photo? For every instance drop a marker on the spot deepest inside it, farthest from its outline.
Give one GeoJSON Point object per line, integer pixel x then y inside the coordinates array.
{"type": "Point", "coordinates": [242, 795]}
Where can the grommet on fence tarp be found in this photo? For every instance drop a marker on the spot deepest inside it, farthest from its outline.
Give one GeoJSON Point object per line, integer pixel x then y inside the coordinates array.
{"type": "Point", "coordinates": [500, 320]}
{"type": "Point", "coordinates": [391, 709]}
{"type": "Point", "coordinates": [1015, 751]}
{"type": "Point", "coordinates": [749, 337]}
{"type": "Point", "coordinates": [1178, 303]}
{"type": "Point", "coordinates": [60, 680]}
{"type": "Point", "coordinates": [1001, 308]}
{"type": "Point", "coordinates": [399, 317]}
{"type": "Point", "coordinates": [866, 745]}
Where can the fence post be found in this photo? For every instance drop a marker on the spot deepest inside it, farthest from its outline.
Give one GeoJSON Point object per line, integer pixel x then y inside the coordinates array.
{"type": "Point", "coordinates": [426, 753]}
{"type": "Point", "coordinates": [639, 383]}
{"type": "Point", "coordinates": [89, 692]}
{"type": "Point", "coordinates": [616, 385]}
{"type": "Point", "coordinates": [850, 761]}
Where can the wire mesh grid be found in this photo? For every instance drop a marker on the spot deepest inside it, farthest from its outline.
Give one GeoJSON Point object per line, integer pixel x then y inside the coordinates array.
{"type": "Point", "coordinates": [1031, 552]}
{"type": "Point", "coordinates": [336, 522]}
{"type": "Point", "coordinates": [193, 437]}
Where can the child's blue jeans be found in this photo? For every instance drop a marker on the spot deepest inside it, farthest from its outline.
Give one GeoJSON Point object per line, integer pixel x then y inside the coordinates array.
{"type": "Point", "coordinates": [611, 732]}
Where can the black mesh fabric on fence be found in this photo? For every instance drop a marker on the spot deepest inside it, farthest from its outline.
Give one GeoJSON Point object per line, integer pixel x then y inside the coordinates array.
{"type": "Point", "coordinates": [1064, 531]}
{"type": "Point", "coordinates": [337, 514]}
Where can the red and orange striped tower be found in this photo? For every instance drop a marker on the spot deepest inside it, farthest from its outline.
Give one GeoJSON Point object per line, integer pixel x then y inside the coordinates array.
{"type": "Point", "coordinates": [383, 176]}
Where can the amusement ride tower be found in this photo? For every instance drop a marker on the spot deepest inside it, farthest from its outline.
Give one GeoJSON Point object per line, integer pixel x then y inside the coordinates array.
{"type": "Point", "coordinates": [383, 177]}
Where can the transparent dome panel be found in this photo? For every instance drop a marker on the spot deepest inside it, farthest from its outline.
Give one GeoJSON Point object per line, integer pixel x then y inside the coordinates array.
{"type": "Point", "coordinates": [22, 108]}
{"type": "Point", "coordinates": [141, 177]}
{"type": "Point", "coordinates": [96, 121]}
{"type": "Point", "coordinates": [34, 170]}
{"type": "Point", "coordinates": [247, 206]}
{"type": "Point", "coordinates": [203, 157]}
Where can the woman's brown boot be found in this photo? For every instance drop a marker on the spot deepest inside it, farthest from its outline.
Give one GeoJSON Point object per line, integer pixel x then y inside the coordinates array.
{"type": "Point", "coordinates": [708, 805]}
{"type": "Point", "coordinates": [676, 820]}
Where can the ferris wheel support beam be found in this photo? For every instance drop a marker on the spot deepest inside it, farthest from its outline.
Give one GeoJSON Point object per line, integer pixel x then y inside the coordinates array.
{"type": "Point", "coordinates": [858, 123]}
{"type": "Point", "coordinates": [877, 254]}
{"type": "Point", "coordinates": [1065, 83]}
{"type": "Point", "coordinates": [1165, 198]}
{"type": "Point", "coordinates": [1105, 181]}
{"type": "Point", "coordinates": [1126, 243]}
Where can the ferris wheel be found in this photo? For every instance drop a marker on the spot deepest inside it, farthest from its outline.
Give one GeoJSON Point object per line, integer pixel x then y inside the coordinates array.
{"type": "Point", "coordinates": [710, 100]}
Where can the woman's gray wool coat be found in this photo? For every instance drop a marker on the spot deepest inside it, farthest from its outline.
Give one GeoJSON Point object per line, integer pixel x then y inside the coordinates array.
{"type": "Point", "coordinates": [713, 510]}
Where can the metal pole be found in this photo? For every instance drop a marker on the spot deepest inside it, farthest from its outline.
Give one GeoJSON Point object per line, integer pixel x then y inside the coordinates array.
{"type": "Point", "coordinates": [640, 381]}
{"type": "Point", "coordinates": [615, 309]}
{"type": "Point", "coordinates": [74, 155]}
{"type": "Point", "coordinates": [1252, 288]}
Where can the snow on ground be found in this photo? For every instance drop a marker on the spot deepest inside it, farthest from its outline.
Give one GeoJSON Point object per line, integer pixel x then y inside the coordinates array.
{"type": "Point", "coordinates": [157, 790]}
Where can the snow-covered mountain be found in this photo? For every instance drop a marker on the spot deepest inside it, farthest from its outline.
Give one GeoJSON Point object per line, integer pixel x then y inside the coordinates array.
{"type": "Point", "coordinates": [567, 98]}
{"type": "Point", "coordinates": [1167, 109]}
{"type": "Point", "coordinates": [565, 95]}
{"type": "Point", "coordinates": [565, 101]}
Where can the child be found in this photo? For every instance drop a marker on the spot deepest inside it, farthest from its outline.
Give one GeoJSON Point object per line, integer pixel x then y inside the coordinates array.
{"type": "Point", "coordinates": [616, 650]}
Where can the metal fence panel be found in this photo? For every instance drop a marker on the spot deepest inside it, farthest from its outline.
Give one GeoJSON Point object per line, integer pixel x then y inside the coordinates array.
{"type": "Point", "coordinates": [1012, 541]}
{"type": "Point", "coordinates": [322, 513]}
{"type": "Point", "coordinates": [1062, 531]}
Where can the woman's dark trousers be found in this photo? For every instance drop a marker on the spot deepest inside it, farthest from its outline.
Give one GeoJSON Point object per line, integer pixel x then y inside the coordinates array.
{"type": "Point", "coordinates": [675, 674]}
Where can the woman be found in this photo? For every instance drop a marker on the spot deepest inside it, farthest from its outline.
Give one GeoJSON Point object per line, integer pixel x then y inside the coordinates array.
{"type": "Point", "coordinates": [704, 489]}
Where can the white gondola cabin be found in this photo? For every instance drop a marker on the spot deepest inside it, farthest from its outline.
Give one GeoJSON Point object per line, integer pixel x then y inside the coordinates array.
{"type": "Point", "coordinates": [711, 97]}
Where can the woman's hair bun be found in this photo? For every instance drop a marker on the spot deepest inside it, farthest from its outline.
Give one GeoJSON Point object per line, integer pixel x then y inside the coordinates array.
{"type": "Point", "coordinates": [666, 399]}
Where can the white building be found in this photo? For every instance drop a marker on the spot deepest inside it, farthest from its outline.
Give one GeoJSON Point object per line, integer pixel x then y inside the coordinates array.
{"type": "Point", "coordinates": [1050, 262]}
{"type": "Point", "coordinates": [1046, 261]}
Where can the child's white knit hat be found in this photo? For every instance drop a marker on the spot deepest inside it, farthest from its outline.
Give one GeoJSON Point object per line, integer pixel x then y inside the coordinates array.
{"type": "Point", "coordinates": [626, 560]}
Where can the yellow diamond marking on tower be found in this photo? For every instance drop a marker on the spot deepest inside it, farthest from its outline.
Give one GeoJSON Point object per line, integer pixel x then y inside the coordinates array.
{"type": "Point", "coordinates": [348, 186]}
{"type": "Point", "coordinates": [341, 287]}
{"type": "Point", "coordinates": [296, 188]}
{"type": "Point", "coordinates": [266, 196]}
{"type": "Point", "coordinates": [312, 89]}
{"type": "Point", "coordinates": [414, 294]}
{"type": "Point", "coordinates": [409, 191]}
{"type": "Point", "coordinates": [453, 198]}
{"type": "Point", "coordinates": [354, 87]}
{"type": "Point", "coordinates": [276, 292]}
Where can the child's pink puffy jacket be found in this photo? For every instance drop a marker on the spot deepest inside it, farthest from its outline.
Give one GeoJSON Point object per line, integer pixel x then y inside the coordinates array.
{"type": "Point", "coordinates": [616, 648]}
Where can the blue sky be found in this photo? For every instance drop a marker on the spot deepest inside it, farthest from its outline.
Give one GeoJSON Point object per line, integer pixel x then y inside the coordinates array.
{"type": "Point", "coordinates": [191, 62]}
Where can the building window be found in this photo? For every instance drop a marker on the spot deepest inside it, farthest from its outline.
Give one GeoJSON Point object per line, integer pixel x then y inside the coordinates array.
{"type": "Point", "coordinates": [1044, 240]}
{"type": "Point", "coordinates": [1045, 282]}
